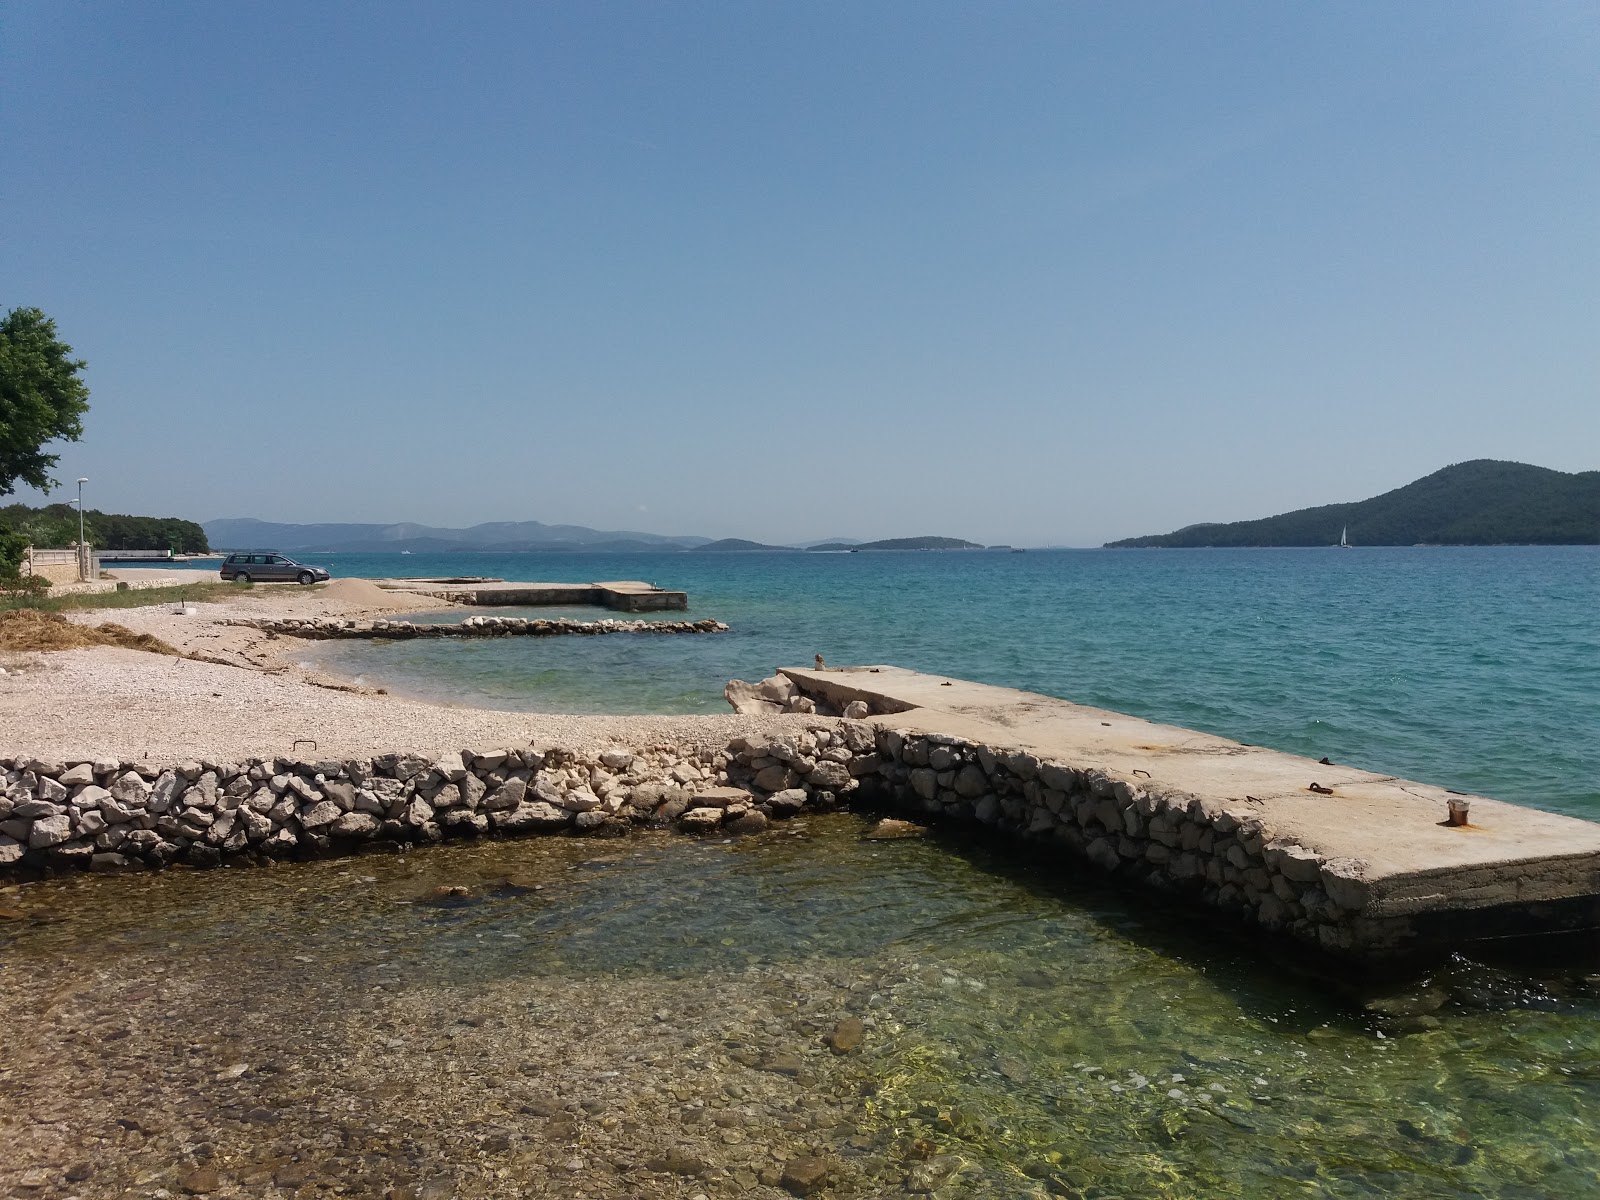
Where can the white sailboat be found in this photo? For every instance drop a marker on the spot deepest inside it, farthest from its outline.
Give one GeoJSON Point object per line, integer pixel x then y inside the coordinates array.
{"type": "Point", "coordinates": [1344, 541]}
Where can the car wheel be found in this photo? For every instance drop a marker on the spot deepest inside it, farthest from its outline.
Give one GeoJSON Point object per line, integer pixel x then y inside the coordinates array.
{"type": "Point", "coordinates": [241, 577]}
{"type": "Point", "coordinates": [307, 577]}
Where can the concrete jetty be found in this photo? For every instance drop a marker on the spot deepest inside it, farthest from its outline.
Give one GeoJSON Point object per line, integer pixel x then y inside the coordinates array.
{"type": "Point", "coordinates": [620, 595]}
{"type": "Point", "coordinates": [1368, 866]}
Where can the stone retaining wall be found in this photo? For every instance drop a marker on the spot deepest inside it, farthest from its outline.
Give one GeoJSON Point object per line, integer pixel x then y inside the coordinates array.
{"type": "Point", "coordinates": [110, 815]}
{"type": "Point", "coordinates": [324, 628]}
{"type": "Point", "coordinates": [1218, 854]}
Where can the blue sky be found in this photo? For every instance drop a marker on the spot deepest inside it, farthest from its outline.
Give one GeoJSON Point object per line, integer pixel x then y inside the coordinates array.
{"type": "Point", "coordinates": [1043, 273]}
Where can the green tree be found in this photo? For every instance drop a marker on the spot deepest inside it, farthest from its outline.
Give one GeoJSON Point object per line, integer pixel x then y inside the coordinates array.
{"type": "Point", "coordinates": [41, 398]}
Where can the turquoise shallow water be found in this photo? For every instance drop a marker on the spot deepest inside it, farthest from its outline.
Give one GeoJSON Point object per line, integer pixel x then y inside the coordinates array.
{"type": "Point", "coordinates": [1475, 668]}
{"type": "Point", "coordinates": [1050, 1037]}
{"type": "Point", "coordinates": [1040, 1035]}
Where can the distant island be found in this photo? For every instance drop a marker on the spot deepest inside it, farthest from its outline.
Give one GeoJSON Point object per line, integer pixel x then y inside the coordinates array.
{"type": "Point", "coordinates": [1479, 503]}
{"type": "Point", "coordinates": [511, 537]}
{"type": "Point", "coordinates": [913, 543]}
{"type": "Point", "coordinates": [737, 546]}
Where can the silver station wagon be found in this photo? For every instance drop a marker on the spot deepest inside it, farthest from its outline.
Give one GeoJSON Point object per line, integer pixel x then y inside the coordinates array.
{"type": "Point", "coordinates": [268, 566]}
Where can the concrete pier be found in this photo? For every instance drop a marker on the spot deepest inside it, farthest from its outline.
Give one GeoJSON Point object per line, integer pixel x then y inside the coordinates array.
{"type": "Point", "coordinates": [1367, 865]}
{"type": "Point", "coordinates": [621, 595]}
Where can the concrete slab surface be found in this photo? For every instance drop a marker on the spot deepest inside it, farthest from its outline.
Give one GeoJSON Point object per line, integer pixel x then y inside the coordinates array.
{"type": "Point", "coordinates": [1396, 827]}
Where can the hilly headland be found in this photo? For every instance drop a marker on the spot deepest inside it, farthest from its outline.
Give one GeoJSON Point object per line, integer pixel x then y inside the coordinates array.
{"type": "Point", "coordinates": [1484, 502]}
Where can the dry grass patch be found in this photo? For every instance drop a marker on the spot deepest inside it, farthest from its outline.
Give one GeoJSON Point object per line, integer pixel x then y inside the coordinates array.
{"type": "Point", "coordinates": [32, 629]}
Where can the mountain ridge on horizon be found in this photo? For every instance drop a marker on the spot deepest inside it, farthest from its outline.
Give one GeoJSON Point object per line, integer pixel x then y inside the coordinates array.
{"type": "Point", "coordinates": [328, 537]}
{"type": "Point", "coordinates": [1480, 502]}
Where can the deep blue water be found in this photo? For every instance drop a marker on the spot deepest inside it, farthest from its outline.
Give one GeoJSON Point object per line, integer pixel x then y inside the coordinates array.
{"type": "Point", "coordinates": [1475, 668]}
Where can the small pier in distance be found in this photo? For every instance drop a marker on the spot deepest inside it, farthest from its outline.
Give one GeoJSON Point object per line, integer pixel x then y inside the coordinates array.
{"type": "Point", "coordinates": [619, 595]}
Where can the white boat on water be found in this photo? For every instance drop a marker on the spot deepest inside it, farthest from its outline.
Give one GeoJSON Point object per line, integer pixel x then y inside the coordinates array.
{"type": "Point", "coordinates": [1344, 540]}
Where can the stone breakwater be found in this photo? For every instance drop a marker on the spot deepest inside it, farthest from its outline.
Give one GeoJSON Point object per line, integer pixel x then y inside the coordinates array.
{"type": "Point", "coordinates": [1223, 856]}
{"type": "Point", "coordinates": [112, 815]}
{"type": "Point", "coordinates": [326, 628]}
{"type": "Point", "coordinates": [1256, 859]}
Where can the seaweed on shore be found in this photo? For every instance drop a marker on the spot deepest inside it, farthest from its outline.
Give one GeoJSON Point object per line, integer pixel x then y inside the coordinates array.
{"type": "Point", "coordinates": [32, 629]}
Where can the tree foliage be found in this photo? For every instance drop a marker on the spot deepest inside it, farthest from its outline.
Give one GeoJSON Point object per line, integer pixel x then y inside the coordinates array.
{"type": "Point", "coordinates": [1479, 503]}
{"type": "Point", "coordinates": [12, 547]}
{"type": "Point", "coordinates": [41, 398]}
{"type": "Point", "coordinates": [57, 525]}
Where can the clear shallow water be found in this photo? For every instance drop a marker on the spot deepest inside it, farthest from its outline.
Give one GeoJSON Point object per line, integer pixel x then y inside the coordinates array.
{"type": "Point", "coordinates": [1052, 1040]}
{"type": "Point", "coordinates": [1474, 668]}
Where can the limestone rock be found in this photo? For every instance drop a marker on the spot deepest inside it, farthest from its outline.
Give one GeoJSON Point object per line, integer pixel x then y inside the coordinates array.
{"type": "Point", "coordinates": [700, 820]}
{"type": "Point", "coordinates": [325, 812]}
{"type": "Point", "coordinates": [537, 815]}
{"type": "Point", "coordinates": [751, 821]}
{"type": "Point", "coordinates": [355, 824]}
{"type": "Point", "coordinates": [37, 809]}
{"type": "Point", "coordinates": [779, 689]}
{"type": "Point", "coordinates": [720, 797]}
{"type": "Point", "coordinates": [49, 831]}
{"type": "Point", "coordinates": [805, 1175]}
{"type": "Point", "coordinates": [746, 700]}
{"type": "Point", "coordinates": [846, 1035]}
{"type": "Point", "coordinates": [342, 793]}
{"type": "Point", "coordinates": [787, 803]}
{"type": "Point", "coordinates": [833, 776]}
{"type": "Point", "coordinates": [507, 796]}
{"type": "Point", "coordinates": [774, 779]}
{"type": "Point", "coordinates": [971, 782]}
{"type": "Point", "coordinates": [130, 789]}
{"type": "Point", "coordinates": [77, 776]}
{"type": "Point", "coordinates": [580, 800]}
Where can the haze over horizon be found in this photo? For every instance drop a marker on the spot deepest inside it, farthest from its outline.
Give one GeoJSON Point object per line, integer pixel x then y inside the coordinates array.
{"type": "Point", "coordinates": [1037, 274]}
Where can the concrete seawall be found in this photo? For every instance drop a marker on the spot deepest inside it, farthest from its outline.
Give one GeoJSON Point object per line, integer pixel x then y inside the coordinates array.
{"type": "Point", "coordinates": [621, 595]}
{"type": "Point", "coordinates": [1359, 864]}
{"type": "Point", "coordinates": [1361, 867]}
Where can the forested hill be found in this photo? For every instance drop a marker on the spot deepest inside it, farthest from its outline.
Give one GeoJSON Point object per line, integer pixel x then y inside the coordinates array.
{"type": "Point", "coordinates": [1478, 503]}
{"type": "Point", "coordinates": [57, 525]}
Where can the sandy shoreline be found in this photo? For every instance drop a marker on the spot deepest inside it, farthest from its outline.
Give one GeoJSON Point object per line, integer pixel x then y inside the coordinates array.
{"type": "Point", "coordinates": [248, 698]}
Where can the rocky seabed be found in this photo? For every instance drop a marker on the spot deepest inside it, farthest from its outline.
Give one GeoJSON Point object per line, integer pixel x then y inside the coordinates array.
{"type": "Point", "coordinates": [120, 815]}
{"type": "Point", "coordinates": [323, 628]}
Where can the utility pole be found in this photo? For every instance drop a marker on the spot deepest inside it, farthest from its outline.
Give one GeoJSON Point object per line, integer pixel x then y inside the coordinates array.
{"type": "Point", "coordinates": [83, 551]}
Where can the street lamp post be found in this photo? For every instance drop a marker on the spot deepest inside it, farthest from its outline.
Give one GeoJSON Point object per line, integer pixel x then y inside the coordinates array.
{"type": "Point", "coordinates": [83, 551]}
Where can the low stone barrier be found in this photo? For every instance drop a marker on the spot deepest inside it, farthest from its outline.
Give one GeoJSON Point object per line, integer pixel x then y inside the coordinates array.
{"type": "Point", "coordinates": [109, 815]}
{"type": "Point", "coordinates": [118, 814]}
{"type": "Point", "coordinates": [324, 628]}
{"type": "Point", "coordinates": [1220, 855]}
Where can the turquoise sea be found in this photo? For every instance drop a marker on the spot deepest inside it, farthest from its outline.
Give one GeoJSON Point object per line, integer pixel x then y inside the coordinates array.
{"type": "Point", "coordinates": [1474, 668]}
{"type": "Point", "coordinates": [1029, 1034]}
